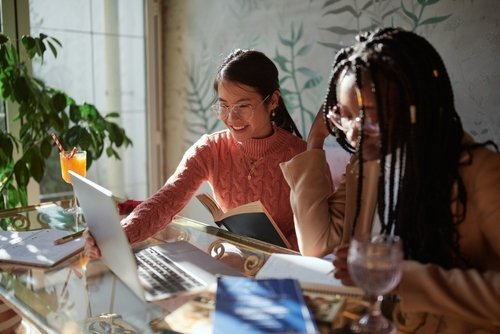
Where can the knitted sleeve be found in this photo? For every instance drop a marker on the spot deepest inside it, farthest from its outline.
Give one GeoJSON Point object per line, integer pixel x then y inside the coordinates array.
{"type": "Point", "coordinates": [153, 215]}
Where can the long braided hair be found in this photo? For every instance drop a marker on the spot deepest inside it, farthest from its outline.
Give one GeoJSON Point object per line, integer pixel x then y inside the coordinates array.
{"type": "Point", "coordinates": [409, 78]}
{"type": "Point", "coordinates": [253, 68]}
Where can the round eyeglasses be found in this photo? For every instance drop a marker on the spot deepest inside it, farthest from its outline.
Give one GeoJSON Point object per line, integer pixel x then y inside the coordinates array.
{"type": "Point", "coordinates": [347, 125]}
{"type": "Point", "coordinates": [243, 111]}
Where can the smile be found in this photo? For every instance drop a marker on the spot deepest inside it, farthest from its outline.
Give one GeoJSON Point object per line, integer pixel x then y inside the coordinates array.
{"type": "Point", "coordinates": [237, 128]}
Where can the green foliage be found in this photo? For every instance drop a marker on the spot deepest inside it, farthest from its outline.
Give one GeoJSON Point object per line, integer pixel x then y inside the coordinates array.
{"type": "Point", "coordinates": [379, 13]}
{"type": "Point", "coordinates": [44, 110]}
{"type": "Point", "coordinates": [293, 96]}
{"type": "Point", "coordinates": [200, 97]}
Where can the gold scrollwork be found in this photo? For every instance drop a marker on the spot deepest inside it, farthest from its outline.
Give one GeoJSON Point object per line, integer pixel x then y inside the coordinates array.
{"type": "Point", "coordinates": [20, 222]}
{"type": "Point", "coordinates": [183, 236]}
{"type": "Point", "coordinates": [217, 249]}
{"type": "Point", "coordinates": [109, 323]}
{"type": "Point", "coordinates": [253, 263]}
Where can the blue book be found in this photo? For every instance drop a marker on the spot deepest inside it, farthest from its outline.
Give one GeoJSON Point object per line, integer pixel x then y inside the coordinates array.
{"type": "Point", "coordinates": [245, 305]}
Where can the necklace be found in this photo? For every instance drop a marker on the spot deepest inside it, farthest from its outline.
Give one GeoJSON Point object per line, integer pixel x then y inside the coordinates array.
{"type": "Point", "coordinates": [252, 168]}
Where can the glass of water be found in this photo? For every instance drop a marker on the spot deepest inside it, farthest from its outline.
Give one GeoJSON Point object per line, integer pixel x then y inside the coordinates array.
{"type": "Point", "coordinates": [375, 265]}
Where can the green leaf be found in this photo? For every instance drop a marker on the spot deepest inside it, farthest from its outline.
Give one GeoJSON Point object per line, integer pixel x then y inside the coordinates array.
{"type": "Point", "coordinates": [21, 92]}
{"type": "Point", "coordinates": [85, 140]}
{"type": "Point", "coordinates": [46, 148]}
{"type": "Point", "coordinates": [434, 20]}
{"type": "Point", "coordinates": [307, 72]}
{"type": "Point", "coordinates": [53, 49]}
{"type": "Point", "coordinates": [3, 39]}
{"type": "Point", "coordinates": [305, 49]}
{"type": "Point", "coordinates": [412, 16]}
{"type": "Point", "coordinates": [37, 167]}
{"type": "Point", "coordinates": [74, 113]}
{"type": "Point", "coordinates": [59, 102]}
{"type": "Point", "coordinates": [313, 82]}
{"type": "Point", "coordinates": [116, 134]}
{"type": "Point", "coordinates": [286, 42]}
{"type": "Point", "coordinates": [112, 115]}
{"type": "Point", "coordinates": [12, 196]}
{"type": "Point", "coordinates": [22, 174]}
{"type": "Point", "coordinates": [28, 42]}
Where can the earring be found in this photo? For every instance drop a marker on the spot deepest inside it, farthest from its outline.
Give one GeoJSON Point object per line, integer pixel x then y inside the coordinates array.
{"type": "Point", "coordinates": [273, 113]}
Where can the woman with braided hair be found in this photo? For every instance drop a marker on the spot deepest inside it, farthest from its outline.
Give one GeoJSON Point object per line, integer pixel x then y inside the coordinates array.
{"type": "Point", "coordinates": [414, 172]}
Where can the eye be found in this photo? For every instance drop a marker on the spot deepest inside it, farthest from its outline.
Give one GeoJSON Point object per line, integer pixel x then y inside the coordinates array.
{"type": "Point", "coordinates": [223, 106]}
{"type": "Point", "coordinates": [243, 106]}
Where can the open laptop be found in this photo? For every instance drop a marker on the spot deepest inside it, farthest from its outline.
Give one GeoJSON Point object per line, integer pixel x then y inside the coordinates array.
{"type": "Point", "coordinates": [180, 267]}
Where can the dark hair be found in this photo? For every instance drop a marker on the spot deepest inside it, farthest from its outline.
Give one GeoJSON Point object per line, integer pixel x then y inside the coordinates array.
{"type": "Point", "coordinates": [253, 68]}
{"type": "Point", "coordinates": [409, 78]}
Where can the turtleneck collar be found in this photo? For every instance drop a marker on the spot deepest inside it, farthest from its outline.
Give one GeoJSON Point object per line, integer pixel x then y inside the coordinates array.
{"type": "Point", "coordinates": [257, 148]}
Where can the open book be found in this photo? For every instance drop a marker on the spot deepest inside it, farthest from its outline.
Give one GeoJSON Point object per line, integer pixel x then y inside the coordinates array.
{"type": "Point", "coordinates": [314, 274]}
{"type": "Point", "coordinates": [36, 248]}
{"type": "Point", "coordinates": [251, 220]}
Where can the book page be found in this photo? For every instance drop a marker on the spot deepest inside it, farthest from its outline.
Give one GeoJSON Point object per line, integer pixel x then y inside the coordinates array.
{"type": "Point", "coordinates": [36, 247]}
{"type": "Point", "coordinates": [313, 273]}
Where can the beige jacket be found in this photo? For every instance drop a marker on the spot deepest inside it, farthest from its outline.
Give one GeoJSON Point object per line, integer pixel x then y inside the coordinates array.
{"type": "Point", "coordinates": [323, 222]}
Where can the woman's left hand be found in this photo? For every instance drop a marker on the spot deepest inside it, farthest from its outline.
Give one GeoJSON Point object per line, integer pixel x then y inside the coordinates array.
{"type": "Point", "coordinates": [341, 270]}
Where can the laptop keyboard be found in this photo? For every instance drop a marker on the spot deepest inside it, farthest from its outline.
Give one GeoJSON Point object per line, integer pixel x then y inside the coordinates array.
{"type": "Point", "coordinates": [160, 275]}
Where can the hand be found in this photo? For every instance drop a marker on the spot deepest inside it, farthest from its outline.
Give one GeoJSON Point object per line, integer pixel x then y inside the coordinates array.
{"type": "Point", "coordinates": [91, 249]}
{"type": "Point", "coordinates": [341, 271]}
{"type": "Point", "coordinates": [318, 132]}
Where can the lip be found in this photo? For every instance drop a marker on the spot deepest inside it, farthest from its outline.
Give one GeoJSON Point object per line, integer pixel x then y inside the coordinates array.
{"type": "Point", "coordinates": [238, 128]}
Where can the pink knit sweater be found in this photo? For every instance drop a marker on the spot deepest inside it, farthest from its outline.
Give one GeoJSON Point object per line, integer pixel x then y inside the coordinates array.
{"type": "Point", "coordinates": [225, 163]}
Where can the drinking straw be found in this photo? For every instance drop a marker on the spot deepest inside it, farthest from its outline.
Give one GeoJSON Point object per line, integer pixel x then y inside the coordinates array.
{"type": "Point", "coordinates": [73, 151]}
{"type": "Point", "coordinates": [58, 144]}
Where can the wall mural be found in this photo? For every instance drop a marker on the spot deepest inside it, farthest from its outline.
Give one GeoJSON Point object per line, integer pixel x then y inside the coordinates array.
{"type": "Point", "coordinates": [302, 38]}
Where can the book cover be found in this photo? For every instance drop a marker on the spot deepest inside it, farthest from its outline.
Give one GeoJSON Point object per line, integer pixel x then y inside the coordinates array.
{"type": "Point", "coordinates": [36, 248]}
{"type": "Point", "coordinates": [245, 305]}
{"type": "Point", "coordinates": [251, 220]}
{"type": "Point", "coordinates": [314, 274]}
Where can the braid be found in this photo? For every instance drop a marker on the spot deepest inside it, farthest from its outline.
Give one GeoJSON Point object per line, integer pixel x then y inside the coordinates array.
{"type": "Point", "coordinates": [423, 138]}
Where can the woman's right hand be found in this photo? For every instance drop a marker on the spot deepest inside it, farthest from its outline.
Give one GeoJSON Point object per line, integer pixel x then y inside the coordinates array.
{"type": "Point", "coordinates": [318, 132]}
{"type": "Point", "coordinates": [91, 249]}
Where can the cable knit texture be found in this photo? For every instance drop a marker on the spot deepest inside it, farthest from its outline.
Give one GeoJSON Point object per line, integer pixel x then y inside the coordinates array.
{"type": "Point", "coordinates": [225, 163]}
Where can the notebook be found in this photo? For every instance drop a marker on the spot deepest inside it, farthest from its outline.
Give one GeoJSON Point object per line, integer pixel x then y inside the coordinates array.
{"type": "Point", "coordinates": [179, 260]}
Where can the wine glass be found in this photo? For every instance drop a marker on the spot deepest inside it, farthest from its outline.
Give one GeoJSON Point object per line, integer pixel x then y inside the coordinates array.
{"type": "Point", "coordinates": [76, 162]}
{"type": "Point", "coordinates": [375, 265]}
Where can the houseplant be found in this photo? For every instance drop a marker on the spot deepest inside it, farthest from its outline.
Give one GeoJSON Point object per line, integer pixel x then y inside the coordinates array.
{"type": "Point", "coordinates": [44, 110]}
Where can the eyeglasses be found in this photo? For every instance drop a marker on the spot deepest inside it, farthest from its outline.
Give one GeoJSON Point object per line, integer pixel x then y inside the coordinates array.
{"type": "Point", "coordinates": [347, 125]}
{"type": "Point", "coordinates": [243, 111]}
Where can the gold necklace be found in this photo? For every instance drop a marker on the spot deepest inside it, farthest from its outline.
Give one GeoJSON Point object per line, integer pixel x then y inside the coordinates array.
{"type": "Point", "coordinates": [252, 168]}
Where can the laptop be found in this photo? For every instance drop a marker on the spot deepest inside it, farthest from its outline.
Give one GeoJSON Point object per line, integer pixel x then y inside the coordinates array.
{"type": "Point", "coordinates": [152, 273]}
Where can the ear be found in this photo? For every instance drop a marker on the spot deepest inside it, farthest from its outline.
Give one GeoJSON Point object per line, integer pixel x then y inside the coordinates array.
{"type": "Point", "coordinates": [274, 100]}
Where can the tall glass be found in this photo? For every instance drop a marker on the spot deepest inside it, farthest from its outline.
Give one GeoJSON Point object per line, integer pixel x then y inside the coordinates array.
{"type": "Point", "coordinates": [78, 164]}
{"type": "Point", "coordinates": [375, 265]}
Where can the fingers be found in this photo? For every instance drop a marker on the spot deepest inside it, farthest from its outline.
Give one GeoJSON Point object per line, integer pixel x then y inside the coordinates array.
{"type": "Point", "coordinates": [318, 132]}
{"type": "Point", "coordinates": [91, 250]}
{"type": "Point", "coordinates": [341, 271]}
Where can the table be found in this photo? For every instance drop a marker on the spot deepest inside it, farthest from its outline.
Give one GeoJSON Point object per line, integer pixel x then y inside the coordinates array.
{"type": "Point", "coordinates": [93, 300]}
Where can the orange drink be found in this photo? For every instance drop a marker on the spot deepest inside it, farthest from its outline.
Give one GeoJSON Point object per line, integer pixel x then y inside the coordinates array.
{"type": "Point", "coordinates": [77, 163]}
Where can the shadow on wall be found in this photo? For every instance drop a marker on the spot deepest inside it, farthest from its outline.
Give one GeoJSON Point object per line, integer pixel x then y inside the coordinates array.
{"type": "Point", "coordinates": [337, 159]}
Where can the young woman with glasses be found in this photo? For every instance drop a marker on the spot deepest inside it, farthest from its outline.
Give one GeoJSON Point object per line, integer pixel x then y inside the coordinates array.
{"type": "Point", "coordinates": [241, 163]}
{"type": "Point", "coordinates": [414, 173]}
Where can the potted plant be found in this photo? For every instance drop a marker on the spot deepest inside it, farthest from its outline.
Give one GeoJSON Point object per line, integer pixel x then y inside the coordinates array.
{"type": "Point", "coordinates": [44, 110]}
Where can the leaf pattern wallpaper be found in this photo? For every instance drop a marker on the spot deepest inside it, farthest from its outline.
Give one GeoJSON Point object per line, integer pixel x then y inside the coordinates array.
{"type": "Point", "coordinates": [303, 36]}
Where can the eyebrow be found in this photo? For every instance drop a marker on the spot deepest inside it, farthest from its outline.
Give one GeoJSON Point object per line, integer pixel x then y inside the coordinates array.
{"type": "Point", "coordinates": [240, 101]}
